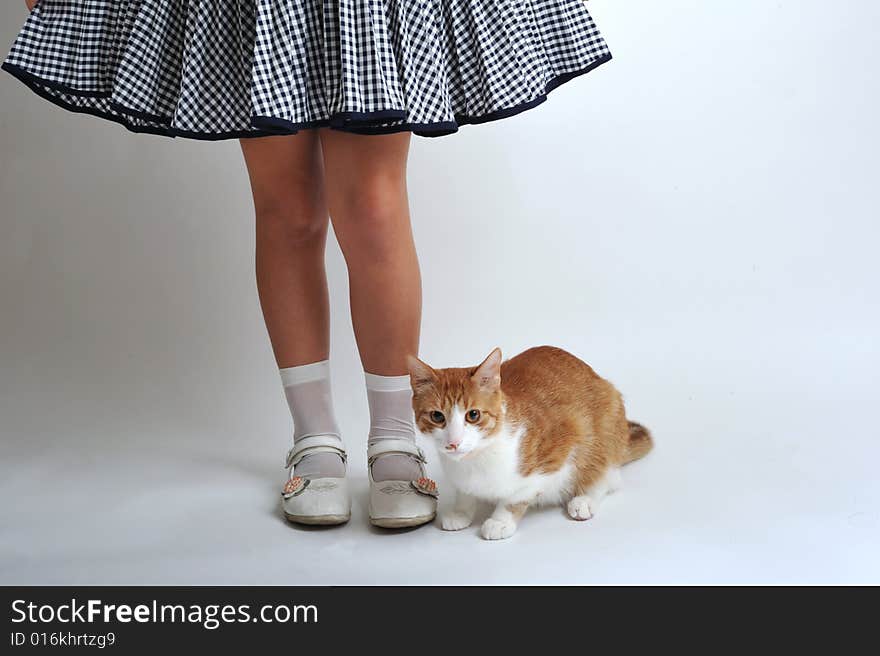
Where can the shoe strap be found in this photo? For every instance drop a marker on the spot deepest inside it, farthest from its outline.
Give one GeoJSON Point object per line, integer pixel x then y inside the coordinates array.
{"type": "Point", "coordinates": [314, 444]}
{"type": "Point", "coordinates": [381, 446]}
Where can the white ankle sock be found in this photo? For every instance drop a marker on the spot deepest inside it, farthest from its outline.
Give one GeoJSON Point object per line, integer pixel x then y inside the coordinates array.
{"type": "Point", "coordinates": [307, 388]}
{"type": "Point", "coordinates": [391, 416]}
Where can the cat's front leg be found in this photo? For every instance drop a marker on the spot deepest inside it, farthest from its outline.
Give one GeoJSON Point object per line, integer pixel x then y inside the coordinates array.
{"type": "Point", "coordinates": [502, 523]}
{"type": "Point", "coordinates": [462, 513]}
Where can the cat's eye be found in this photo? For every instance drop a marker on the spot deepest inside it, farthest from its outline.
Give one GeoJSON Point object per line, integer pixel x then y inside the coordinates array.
{"type": "Point", "coordinates": [473, 416]}
{"type": "Point", "coordinates": [437, 417]}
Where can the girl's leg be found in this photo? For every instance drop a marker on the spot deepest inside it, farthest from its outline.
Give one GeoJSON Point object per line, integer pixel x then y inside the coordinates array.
{"type": "Point", "coordinates": [287, 181]}
{"type": "Point", "coordinates": [367, 197]}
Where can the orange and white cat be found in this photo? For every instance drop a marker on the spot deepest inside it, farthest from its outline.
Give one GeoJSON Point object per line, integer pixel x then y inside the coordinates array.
{"type": "Point", "coordinates": [539, 428]}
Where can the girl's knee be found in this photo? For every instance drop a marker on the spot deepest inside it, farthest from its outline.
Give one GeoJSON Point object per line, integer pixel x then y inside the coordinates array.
{"type": "Point", "coordinates": [373, 216]}
{"type": "Point", "coordinates": [289, 218]}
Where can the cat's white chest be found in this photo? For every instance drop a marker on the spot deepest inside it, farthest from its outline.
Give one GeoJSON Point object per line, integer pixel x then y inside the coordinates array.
{"type": "Point", "coordinates": [493, 473]}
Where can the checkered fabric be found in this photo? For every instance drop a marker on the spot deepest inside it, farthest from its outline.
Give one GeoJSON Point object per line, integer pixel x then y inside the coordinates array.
{"type": "Point", "coordinates": [237, 68]}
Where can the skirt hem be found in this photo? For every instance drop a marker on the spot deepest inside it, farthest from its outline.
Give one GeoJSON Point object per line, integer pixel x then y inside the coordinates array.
{"type": "Point", "coordinates": [364, 123]}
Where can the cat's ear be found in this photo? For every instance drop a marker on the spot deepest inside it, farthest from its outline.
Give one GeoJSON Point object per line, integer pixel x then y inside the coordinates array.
{"type": "Point", "coordinates": [488, 374]}
{"type": "Point", "coordinates": [420, 374]}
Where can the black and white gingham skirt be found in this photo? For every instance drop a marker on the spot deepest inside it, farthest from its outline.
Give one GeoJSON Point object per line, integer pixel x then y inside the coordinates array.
{"type": "Point", "coordinates": [236, 68]}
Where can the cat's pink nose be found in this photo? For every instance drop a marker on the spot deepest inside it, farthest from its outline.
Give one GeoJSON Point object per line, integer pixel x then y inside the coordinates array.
{"type": "Point", "coordinates": [452, 446]}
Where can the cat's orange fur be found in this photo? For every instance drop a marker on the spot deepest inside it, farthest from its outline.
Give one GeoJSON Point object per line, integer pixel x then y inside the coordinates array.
{"type": "Point", "coordinates": [568, 410]}
{"type": "Point", "coordinates": [562, 411]}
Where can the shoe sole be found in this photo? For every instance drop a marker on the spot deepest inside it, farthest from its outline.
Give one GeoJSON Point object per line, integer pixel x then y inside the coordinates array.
{"type": "Point", "coordinates": [401, 522]}
{"type": "Point", "coordinates": [317, 520]}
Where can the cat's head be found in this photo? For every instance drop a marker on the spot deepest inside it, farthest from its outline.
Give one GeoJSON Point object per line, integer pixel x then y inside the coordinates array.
{"type": "Point", "coordinates": [460, 408]}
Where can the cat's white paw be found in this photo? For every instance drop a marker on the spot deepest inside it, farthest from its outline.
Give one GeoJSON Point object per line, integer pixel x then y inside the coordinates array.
{"type": "Point", "coordinates": [497, 529]}
{"type": "Point", "coordinates": [455, 521]}
{"type": "Point", "coordinates": [580, 508]}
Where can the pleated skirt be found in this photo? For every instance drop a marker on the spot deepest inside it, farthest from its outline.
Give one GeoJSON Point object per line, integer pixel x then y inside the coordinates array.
{"type": "Point", "coordinates": [240, 68]}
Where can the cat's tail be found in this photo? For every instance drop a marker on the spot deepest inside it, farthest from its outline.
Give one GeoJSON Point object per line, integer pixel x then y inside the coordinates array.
{"type": "Point", "coordinates": [640, 442]}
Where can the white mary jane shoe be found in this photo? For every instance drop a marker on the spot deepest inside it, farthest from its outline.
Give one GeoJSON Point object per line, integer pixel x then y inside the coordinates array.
{"type": "Point", "coordinates": [316, 501]}
{"type": "Point", "coordinates": [400, 504]}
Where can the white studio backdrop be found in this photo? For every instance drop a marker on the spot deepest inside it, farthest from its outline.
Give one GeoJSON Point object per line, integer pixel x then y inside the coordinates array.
{"type": "Point", "coordinates": [698, 219]}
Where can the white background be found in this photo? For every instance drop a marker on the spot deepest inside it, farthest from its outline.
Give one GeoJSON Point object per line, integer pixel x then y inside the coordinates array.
{"type": "Point", "coordinates": [698, 219]}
